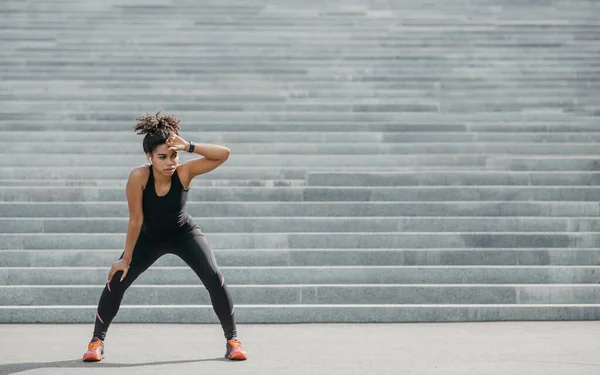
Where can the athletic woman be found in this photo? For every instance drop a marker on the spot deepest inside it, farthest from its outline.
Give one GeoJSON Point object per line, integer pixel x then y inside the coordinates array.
{"type": "Point", "coordinates": [159, 224]}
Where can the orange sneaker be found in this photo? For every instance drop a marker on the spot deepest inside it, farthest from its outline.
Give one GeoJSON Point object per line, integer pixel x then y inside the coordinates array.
{"type": "Point", "coordinates": [95, 351]}
{"type": "Point", "coordinates": [234, 351]}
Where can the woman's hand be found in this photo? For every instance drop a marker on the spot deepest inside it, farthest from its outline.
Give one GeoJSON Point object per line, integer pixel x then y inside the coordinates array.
{"type": "Point", "coordinates": [176, 143]}
{"type": "Point", "coordinates": [120, 265]}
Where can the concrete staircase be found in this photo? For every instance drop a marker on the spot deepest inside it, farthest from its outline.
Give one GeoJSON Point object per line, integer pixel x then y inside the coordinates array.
{"type": "Point", "coordinates": [392, 161]}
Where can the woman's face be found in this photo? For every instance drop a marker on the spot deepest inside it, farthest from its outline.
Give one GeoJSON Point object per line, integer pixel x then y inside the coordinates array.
{"type": "Point", "coordinates": [164, 161]}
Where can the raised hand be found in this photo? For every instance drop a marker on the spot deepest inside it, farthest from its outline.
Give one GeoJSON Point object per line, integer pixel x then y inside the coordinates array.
{"type": "Point", "coordinates": [176, 143]}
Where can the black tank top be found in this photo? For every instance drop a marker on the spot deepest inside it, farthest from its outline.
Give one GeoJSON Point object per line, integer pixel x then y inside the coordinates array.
{"type": "Point", "coordinates": [165, 216]}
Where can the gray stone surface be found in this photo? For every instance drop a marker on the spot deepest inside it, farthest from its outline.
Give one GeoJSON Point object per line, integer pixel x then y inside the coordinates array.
{"type": "Point", "coordinates": [557, 348]}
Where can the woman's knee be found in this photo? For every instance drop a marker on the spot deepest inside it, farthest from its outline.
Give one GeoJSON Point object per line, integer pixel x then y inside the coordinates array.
{"type": "Point", "coordinates": [214, 281]}
{"type": "Point", "coordinates": [116, 286]}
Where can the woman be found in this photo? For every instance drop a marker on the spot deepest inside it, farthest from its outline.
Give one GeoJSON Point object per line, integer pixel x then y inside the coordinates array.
{"type": "Point", "coordinates": [158, 224]}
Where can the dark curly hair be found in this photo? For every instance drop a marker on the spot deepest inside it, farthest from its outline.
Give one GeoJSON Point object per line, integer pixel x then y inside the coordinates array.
{"type": "Point", "coordinates": [158, 128]}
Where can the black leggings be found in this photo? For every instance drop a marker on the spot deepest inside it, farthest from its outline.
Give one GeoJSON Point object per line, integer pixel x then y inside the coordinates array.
{"type": "Point", "coordinates": [193, 249]}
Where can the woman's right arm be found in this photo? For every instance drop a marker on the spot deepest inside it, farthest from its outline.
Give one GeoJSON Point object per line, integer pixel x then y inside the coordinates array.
{"type": "Point", "coordinates": [134, 192]}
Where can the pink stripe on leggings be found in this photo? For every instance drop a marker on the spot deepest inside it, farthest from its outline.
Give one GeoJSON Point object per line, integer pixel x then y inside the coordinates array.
{"type": "Point", "coordinates": [100, 318]}
{"type": "Point", "coordinates": [108, 285]}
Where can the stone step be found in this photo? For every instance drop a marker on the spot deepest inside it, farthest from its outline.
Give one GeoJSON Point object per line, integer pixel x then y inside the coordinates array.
{"type": "Point", "coordinates": [344, 172]}
{"type": "Point", "coordinates": [363, 38]}
{"type": "Point", "coordinates": [330, 21]}
{"type": "Point", "coordinates": [287, 70]}
{"type": "Point", "coordinates": [370, 25]}
{"type": "Point", "coordinates": [312, 67]}
{"type": "Point", "coordinates": [372, 21]}
{"type": "Point", "coordinates": [254, 224]}
{"type": "Point", "coordinates": [314, 275]}
{"type": "Point", "coordinates": [401, 137]}
{"type": "Point", "coordinates": [309, 42]}
{"type": "Point", "coordinates": [360, 105]}
{"type": "Point", "coordinates": [42, 51]}
{"type": "Point", "coordinates": [114, 49]}
{"type": "Point", "coordinates": [298, 88]}
{"type": "Point", "coordinates": [312, 148]}
{"type": "Point", "coordinates": [69, 295]}
{"type": "Point", "coordinates": [253, 120]}
{"type": "Point", "coordinates": [324, 76]}
{"type": "Point", "coordinates": [275, 89]}
{"type": "Point", "coordinates": [445, 178]}
{"type": "Point", "coordinates": [299, 24]}
{"type": "Point", "coordinates": [199, 210]}
{"type": "Point", "coordinates": [330, 74]}
{"type": "Point", "coordinates": [300, 33]}
{"type": "Point", "coordinates": [251, 161]}
{"type": "Point", "coordinates": [576, 54]}
{"type": "Point", "coordinates": [547, 163]}
{"type": "Point", "coordinates": [293, 103]}
{"type": "Point", "coordinates": [91, 97]}
{"type": "Point", "coordinates": [321, 257]}
{"type": "Point", "coordinates": [315, 194]}
{"type": "Point", "coordinates": [43, 35]}
{"type": "Point", "coordinates": [312, 10]}
{"type": "Point", "coordinates": [308, 62]}
{"type": "Point", "coordinates": [320, 43]}
{"type": "Point", "coordinates": [412, 14]}
{"type": "Point", "coordinates": [312, 240]}
{"type": "Point", "coordinates": [122, 137]}
{"type": "Point", "coordinates": [523, 14]}
{"type": "Point", "coordinates": [313, 50]}
{"type": "Point", "coordinates": [122, 183]}
{"type": "Point", "coordinates": [224, 172]}
{"type": "Point", "coordinates": [309, 129]}
{"type": "Point", "coordinates": [272, 314]}
{"type": "Point", "coordinates": [567, 33]}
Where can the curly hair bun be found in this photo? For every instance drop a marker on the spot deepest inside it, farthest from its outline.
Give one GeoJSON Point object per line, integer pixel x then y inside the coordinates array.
{"type": "Point", "coordinates": [149, 123]}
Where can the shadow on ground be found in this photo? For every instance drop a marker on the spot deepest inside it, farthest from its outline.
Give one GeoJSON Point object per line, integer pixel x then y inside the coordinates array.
{"type": "Point", "coordinates": [13, 368]}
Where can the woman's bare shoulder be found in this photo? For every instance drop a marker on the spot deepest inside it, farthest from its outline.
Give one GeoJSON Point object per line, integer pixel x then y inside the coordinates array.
{"type": "Point", "coordinates": [140, 175]}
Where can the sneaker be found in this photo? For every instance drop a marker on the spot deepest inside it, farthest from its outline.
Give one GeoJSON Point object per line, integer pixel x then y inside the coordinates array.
{"type": "Point", "coordinates": [234, 351]}
{"type": "Point", "coordinates": [95, 351]}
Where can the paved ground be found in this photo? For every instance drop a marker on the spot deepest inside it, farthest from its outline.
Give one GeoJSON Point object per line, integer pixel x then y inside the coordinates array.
{"type": "Point", "coordinates": [463, 348]}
